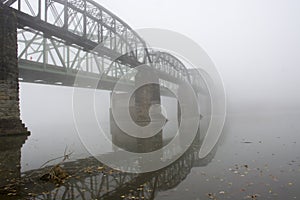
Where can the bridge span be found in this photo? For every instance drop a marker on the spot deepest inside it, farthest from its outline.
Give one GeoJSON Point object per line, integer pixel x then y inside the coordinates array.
{"type": "Point", "coordinates": [61, 40]}
{"type": "Point", "coordinates": [57, 36]}
{"type": "Point", "coordinates": [55, 42]}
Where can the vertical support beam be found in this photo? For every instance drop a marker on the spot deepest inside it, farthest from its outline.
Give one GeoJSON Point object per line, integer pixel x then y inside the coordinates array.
{"type": "Point", "coordinates": [66, 15]}
{"type": "Point", "coordinates": [40, 9]}
{"type": "Point", "coordinates": [101, 27]}
{"type": "Point", "coordinates": [85, 20]}
{"type": "Point", "coordinates": [45, 53]}
{"type": "Point", "coordinates": [10, 122]}
{"type": "Point", "coordinates": [45, 46]}
{"type": "Point", "coordinates": [178, 113]}
{"type": "Point", "coordinates": [19, 5]}
{"type": "Point", "coordinates": [115, 35]}
{"type": "Point", "coordinates": [98, 32]}
{"type": "Point", "coordinates": [68, 57]}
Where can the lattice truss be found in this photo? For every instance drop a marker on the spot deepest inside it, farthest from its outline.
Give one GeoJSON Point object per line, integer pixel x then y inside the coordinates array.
{"type": "Point", "coordinates": [96, 25]}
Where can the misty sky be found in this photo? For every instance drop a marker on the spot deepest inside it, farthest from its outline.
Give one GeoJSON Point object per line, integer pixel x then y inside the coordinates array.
{"type": "Point", "coordinates": [255, 44]}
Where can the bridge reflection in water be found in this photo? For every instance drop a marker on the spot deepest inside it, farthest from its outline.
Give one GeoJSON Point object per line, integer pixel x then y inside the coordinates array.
{"type": "Point", "coordinates": [89, 178]}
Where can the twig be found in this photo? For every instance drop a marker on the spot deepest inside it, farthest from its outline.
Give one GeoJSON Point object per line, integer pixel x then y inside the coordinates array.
{"type": "Point", "coordinates": [65, 157]}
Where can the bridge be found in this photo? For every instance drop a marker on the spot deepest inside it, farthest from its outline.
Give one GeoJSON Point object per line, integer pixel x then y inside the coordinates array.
{"type": "Point", "coordinates": [55, 42]}
{"type": "Point", "coordinates": [61, 40]}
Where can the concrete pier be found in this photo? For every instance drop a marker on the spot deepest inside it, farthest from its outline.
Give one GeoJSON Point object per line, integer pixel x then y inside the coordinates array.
{"type": "Point", "coordinates": [140, 103]}
{"type": "Point", "coordinates": [10, 123]}
{"type": "Point", "coordinates": [146, 96]}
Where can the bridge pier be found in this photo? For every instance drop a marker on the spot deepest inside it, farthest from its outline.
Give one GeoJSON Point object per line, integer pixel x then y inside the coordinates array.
{"type": "Point", "coordinates": [10, 122]}
{"type": "Point", "coordinates": [146, 96]}
{"type": "Point", "coordinates": [141, 102]}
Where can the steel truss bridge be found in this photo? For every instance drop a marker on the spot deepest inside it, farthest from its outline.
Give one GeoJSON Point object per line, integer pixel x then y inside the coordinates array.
{"type": "Point", "coordinates": [92, 184]}
{"type": "Point", "coordinates": [59, 38]}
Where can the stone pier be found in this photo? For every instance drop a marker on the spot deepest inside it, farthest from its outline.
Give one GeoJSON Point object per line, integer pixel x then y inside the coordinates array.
{"type": "Point", "coordinates": [10, 123]}
{"type": "Point", "coordinates": [140, 103]}
{"type": "Point", "coordinates": [146, 96]}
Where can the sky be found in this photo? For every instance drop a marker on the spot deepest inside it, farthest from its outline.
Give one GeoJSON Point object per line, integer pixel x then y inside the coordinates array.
{"type": "Point", "coordinates": [255, 44]}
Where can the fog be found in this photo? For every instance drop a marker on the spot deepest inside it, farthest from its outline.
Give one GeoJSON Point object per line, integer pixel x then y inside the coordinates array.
{"type": "Point", "coordinates": [254, 44]}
